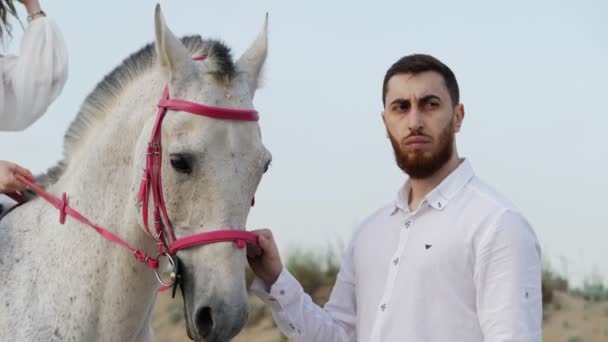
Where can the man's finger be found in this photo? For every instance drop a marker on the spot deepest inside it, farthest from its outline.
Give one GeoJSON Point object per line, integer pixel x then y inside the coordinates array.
{"type": "Point", "coordinates": [253, 251]}
{"type": "Point", "coordinates": [267, 242]}
{"type": "Point", "coordinates": [263, 232]}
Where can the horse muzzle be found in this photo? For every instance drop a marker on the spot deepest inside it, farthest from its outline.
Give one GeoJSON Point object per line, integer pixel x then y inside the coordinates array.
{"type": "Point", "coordinates": [215, 311]}
{"type": "Point", "coordinates": [216, 321]}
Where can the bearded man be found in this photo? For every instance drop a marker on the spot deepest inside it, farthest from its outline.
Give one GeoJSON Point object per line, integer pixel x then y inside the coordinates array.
{"type": "Point", "coordinates": [449, 259]}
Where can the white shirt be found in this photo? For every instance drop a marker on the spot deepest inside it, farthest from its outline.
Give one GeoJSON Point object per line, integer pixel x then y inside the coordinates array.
{"type": "Point", "coordinates": [31, 81]}
{"type": "Point", "coordinates": [464, 266]}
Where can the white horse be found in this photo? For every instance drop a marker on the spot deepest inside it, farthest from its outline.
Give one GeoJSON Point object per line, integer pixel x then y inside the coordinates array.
{"type": "Point", "coordinates": [65, 282]}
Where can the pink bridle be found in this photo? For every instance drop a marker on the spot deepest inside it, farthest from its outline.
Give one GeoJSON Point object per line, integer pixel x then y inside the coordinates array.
{"type": "Point", "coordinates": [152, 180]}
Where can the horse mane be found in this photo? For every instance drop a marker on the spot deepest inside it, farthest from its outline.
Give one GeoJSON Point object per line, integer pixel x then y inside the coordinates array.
{"type": "Point", "coordinates": [98, 103]}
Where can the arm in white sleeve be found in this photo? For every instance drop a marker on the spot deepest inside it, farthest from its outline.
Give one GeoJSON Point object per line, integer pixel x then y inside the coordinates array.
{"type": "Point", "coordinates": [31, 81]}
{"type": "Point", "coordinates": [508, 282]}
{"type": "Point", "coordinates": [300, 319]}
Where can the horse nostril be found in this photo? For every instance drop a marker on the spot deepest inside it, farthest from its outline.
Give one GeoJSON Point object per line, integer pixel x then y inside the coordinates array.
{"type": "Point", "coordinates": [203, 321]}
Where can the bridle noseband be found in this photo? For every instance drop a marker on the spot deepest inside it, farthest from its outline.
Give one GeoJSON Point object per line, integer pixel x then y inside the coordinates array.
{"type": "Point", "coordinates": [151, 184]}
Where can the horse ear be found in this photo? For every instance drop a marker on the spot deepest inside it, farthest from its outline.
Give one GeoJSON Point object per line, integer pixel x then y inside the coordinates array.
{"type": "Point", "coordinates": [252, 61]}
{"type": "Point", "coordinates": [172, 54]}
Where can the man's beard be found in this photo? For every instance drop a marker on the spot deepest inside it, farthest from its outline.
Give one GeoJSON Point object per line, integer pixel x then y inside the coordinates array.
{"type": "Point", "coordinates": [423, 164]}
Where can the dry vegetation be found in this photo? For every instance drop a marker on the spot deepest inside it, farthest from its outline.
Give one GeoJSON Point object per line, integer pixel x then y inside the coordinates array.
{"type": "Point", "coordinates": [570, 315]}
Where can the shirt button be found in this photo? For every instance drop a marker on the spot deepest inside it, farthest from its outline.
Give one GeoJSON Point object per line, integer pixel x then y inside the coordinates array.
{"type": "Point", "coordinates": [439, 205]}
{"type": "Point", "coordinates": [408, 224]}
{"type": "Point", "coordinates": [383, 307]}
{"type": "Point", "coordinates": [282, 292]}
{"type": "Point", "coordinates": [396, 261]}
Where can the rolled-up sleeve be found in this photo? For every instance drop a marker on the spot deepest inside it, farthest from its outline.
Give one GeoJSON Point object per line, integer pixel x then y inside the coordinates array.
{"type": "Point", "coordinates": [31, 81]}
{"type": "Point", "coordinates": [508, 281]}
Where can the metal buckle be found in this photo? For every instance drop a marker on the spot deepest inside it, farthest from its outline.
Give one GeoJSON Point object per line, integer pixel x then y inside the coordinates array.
{"type": "Point", "coordinates": [173, 274]}
{"type": "Point", "coordinates": [156, 237]}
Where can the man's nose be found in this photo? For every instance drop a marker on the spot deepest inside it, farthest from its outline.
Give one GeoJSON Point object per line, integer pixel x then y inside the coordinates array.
{"type": "Point", "coordinates": [415, 122]}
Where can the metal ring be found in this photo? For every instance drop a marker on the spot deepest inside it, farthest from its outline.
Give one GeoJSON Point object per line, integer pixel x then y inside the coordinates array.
{"type": "Point", "coordinates": [172, 262]}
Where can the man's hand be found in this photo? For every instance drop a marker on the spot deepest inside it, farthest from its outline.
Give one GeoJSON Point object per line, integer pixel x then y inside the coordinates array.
{"type": "Point", "coordinates": [8, 181]}
{"type": "Point", "coordinates": [265, 260]}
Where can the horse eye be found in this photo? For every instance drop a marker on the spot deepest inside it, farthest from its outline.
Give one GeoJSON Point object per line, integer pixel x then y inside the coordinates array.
{"type": "Point", "coordinates": [181, 163]}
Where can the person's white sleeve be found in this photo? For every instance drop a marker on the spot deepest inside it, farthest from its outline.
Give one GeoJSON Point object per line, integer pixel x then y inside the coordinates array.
{"type": "Point", "coordinates": [300, 319]}
{"type": "Point", "coordinates": [508, 281]}
{"type": "Point", "coordinates": [31, 81]}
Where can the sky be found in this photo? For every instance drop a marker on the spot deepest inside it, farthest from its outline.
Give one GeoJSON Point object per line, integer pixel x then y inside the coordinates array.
{"type": "Point", "coordinates": [532, 75]}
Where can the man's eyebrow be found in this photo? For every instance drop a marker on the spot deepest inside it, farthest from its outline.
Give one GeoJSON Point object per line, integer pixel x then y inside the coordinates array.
{"type": "Point", "coordinates": [429, 97]}
{"type": "Point", "coordinates": [399, 101]}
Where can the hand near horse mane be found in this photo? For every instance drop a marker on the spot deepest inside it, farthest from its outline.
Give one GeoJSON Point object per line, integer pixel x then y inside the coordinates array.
{"type": "Point", "coordinates": [265, 260]}
{"type": "Point", "coordinates": [8, 181]}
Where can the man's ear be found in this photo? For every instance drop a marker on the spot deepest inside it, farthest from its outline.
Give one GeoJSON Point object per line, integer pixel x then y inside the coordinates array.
{"type": "Point", "coordinates": [459, 117]}
{"type": "Point", "coordinates": [384, 121]}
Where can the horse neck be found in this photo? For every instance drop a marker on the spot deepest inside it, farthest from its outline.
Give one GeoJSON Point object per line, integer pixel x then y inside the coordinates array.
{"type": "Point", "coordinates": [101, 176]}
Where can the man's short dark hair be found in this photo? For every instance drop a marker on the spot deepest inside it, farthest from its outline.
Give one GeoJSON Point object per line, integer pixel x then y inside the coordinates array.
{"type": "Point", "coordinates": [418, 63]}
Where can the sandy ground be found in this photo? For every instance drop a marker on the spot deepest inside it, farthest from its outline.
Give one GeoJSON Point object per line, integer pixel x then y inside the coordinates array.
{"type": "Point", "coordinates": [568, 319]}
{"type": "Point", "coordinates": [572, 319]}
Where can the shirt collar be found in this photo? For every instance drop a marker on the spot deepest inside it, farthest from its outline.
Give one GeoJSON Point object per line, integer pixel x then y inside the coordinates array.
{"type": "Point", "coordinates": [441, 195]}
{"type": "Point", "coordinates": [401, 200]}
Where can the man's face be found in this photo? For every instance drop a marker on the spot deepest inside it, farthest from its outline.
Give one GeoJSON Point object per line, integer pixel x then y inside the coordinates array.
{"type": "Point", "coordinates": [421, 122]}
